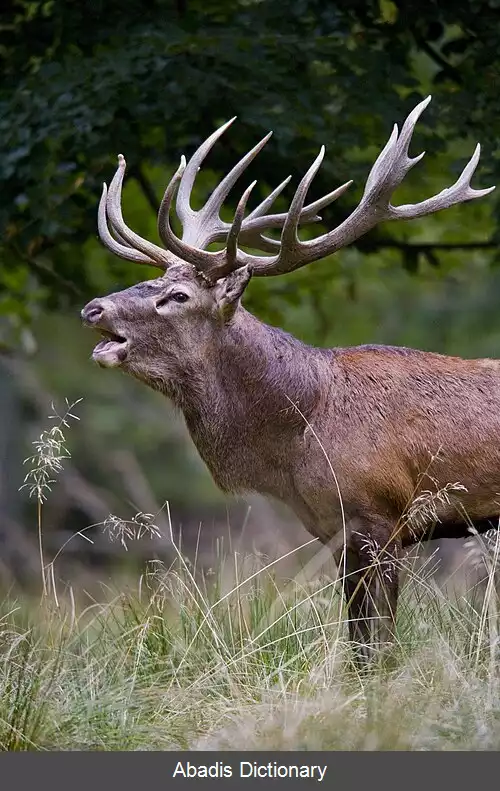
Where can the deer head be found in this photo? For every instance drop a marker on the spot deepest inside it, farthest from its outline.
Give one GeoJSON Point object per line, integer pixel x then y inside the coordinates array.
{"type": "Point", "coordinates": [161, 330]}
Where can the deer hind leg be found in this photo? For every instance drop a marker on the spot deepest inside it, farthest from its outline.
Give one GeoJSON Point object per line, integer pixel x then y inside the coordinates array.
{"type": "Point", "coordinates": [371, 587]}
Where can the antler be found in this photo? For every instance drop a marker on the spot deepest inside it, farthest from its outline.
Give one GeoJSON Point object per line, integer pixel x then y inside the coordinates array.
{"type": "Point", "coordinates": [125, 243]}
{"type": "Point", "coordinates": [200, 228]}
{"type": "Point", "coordinates": [389, 170]}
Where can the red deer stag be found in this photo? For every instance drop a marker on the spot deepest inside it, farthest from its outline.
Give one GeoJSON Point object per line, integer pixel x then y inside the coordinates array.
{"type": "Point", "coordinates": [344, 436]}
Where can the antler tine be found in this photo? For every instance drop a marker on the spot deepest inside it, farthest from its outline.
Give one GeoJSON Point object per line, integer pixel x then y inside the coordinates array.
{"type": "Point", "coordinates": [122, 250]}
{"type": "Point", "coordinates": [119, 238]}
{"type": "Point", "coordinates": [183, 206]}
{"type": "Point", "coordinates": [202, 227]}
{"type": "Point", "coordinates": [459, 192]}
{"type": "Point", "coordinates": [266, 204]}
{"type": "Point", "coordinates": [199, 228]}
{"type": "Point", "coordinates": [220, 193]}
{"type": "Point", "coordinates": [163, 221]}
{"type": "Point", "coordinates": [289, 237]}
{"type": "Point", "coordinates": [232, 237]}
{"type": "Point", "coordinates": [251, 236]}
{"type": "Point", "coordinates": [290, 221]}
{"type": "Point", "coordinates": [393, 163]}
{"type": "Point", "coordinates": [159, 257]}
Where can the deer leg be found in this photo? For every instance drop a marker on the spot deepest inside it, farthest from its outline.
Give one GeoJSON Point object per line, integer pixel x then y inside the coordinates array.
{"type": "Point", "coordinates": [371, 587]}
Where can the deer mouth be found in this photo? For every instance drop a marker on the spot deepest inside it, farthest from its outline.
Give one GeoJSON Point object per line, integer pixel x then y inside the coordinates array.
{"type": "Point", "coordinates": [111, 351]}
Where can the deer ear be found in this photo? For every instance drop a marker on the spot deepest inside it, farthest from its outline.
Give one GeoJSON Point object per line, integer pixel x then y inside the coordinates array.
{"type": "Point", "coordinates": [230, 290]}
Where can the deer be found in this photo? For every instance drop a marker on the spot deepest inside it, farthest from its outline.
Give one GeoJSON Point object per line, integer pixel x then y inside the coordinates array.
{"type": "Point", "coordinates": [347, 438]}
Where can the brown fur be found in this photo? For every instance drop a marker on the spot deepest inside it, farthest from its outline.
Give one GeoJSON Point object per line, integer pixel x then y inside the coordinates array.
{"type": "Point", "coordinates": [379, 424]}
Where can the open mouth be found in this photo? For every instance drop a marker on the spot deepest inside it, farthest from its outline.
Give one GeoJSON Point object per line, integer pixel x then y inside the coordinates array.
{"type": "Point", "coordinates": [111, 351]}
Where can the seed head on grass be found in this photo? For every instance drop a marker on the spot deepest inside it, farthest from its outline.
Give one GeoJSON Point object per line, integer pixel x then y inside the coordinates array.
{"type": "Point", "coordinates": [50, 451]}
{"type": "Point", "coordinates": [134, 529]}
{"type": "Point", "coordinates": [45, 464]}
{"type": "Point", "coordinates": [424, 509]}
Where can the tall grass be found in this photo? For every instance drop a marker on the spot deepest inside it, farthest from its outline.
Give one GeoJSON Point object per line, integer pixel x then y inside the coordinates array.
{"type": "Point", "coordinates": [238, 657]}
{"type": "Point", "coordinates": [184, 662]}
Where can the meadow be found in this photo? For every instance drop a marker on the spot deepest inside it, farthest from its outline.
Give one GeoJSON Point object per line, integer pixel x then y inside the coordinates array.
{"type": "Point", "coordinates": [250, 654]}
{"type": "Point", "coordinates": [178, 662]}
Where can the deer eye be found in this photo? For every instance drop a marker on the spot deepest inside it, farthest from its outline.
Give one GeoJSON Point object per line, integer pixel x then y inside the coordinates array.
{"type": "Point", "coordinates": [176, 296]}
{"type": "Point", "coordinates": [179, 296]}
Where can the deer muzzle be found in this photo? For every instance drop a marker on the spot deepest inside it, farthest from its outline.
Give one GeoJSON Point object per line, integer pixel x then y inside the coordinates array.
{"type": "Point", "coordinates": [112, 350]}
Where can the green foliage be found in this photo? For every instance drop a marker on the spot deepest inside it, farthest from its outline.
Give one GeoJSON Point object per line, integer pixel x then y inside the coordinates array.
{"type": "Point", "coordinates": [81, 82]}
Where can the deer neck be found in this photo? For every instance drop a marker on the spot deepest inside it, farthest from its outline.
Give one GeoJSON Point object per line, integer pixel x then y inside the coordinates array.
{"type": "Point", "coordinates": [254, 393]}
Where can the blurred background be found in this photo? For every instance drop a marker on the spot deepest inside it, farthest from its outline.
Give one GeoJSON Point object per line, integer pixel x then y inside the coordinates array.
{"type": "Point", "coordinates": [82, 82]}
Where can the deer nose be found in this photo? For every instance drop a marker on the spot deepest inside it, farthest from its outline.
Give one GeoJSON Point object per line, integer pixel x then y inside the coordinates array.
{"type": "Point", "coordinates": [92, 312]}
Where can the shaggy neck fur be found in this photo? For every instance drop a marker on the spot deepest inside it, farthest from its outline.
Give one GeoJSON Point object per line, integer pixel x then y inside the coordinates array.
{"type": "Point", "coordinates": [239, 402]}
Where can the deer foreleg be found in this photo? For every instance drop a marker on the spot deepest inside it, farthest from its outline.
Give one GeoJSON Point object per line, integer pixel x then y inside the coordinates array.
{"type": "Point", "coordinates": [370, 586]}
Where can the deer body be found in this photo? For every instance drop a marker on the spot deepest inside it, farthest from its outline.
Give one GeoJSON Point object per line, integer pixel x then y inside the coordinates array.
{"type": "Point", "coordinates": [348, 438]}
{"type": "Point", "coordinates": [385, 422]}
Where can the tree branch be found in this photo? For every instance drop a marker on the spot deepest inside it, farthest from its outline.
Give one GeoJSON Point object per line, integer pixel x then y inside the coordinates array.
{"type": "Point", "coordinates": [422, 247]}
{"type": "Point", "coordinates": [41, 268]}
